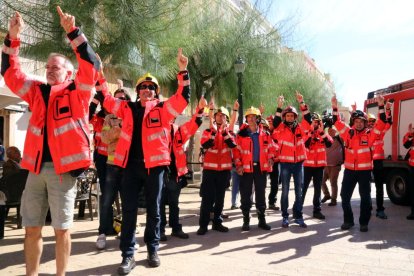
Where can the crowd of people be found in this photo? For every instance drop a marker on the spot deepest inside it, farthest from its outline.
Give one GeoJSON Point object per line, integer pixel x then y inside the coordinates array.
{"type": "Point", "coordinates": [139, 152]}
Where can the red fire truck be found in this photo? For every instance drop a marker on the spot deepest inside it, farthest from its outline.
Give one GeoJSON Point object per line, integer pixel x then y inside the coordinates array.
{"type": "Point", "coordinates": [395, 163]}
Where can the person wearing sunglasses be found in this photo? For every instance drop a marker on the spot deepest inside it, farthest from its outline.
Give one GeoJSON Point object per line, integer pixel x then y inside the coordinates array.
{"type": "Point", "coordinates": [143, 150]}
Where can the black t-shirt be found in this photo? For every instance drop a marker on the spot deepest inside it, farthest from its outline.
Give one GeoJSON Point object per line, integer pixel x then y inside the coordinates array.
{"type": "Point", "coordinates": [136, 152]}
{"type": "Point", "coordinates": [46, 156]}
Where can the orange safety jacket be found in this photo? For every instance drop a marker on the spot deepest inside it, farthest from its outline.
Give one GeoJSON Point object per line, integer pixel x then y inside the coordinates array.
{"type": "Point", "coordinates": [156, 125]}
{"type": "Point", "coordinates": [378, 146]}
{"type": "Point", "coordinates": [409, 144]}
{"type": "Point", "coordinates": [243, 153]}
{"type": "Point", "coordinates": [97, 123]}
{"type": "Point", "coordinates": [358, 144]}
{"type": "Point", "coordinates": [217, 145]}
{"type": "Point", "coordinates": [67, 110]}
{"type": "Point", "coordinates": [291, 142]}
{"type": "Point", "coordinates": [181, 135]}
{"type": "Point", "coordinates": [316, 149]}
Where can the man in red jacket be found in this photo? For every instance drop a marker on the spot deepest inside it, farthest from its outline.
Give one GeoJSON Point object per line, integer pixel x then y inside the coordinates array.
{"type": "Point", "coordinates": [408, 141]}
{"type": "Point", "coordinates": [57, 140]}
{"type": "Point", "coordinates": [143, 150]}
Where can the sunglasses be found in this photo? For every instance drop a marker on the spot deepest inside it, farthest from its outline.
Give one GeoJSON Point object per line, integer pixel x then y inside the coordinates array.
{"type": "Point", "coordinates": [145, 86]}
{"type": "Point", "coordinates": [122, 98]}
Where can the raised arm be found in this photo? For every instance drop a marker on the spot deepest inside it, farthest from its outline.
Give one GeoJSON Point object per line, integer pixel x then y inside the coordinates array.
{"type": "Point", "coordinates": [234, 115]}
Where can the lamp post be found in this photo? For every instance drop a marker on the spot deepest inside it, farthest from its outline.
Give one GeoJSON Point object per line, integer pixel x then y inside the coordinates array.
{"type": "Point", "coordinates": [239, 67]}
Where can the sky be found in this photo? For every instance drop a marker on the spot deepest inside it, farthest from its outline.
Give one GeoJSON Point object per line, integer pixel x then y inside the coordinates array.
{"type": "Point", "coordinates": [364, 44]}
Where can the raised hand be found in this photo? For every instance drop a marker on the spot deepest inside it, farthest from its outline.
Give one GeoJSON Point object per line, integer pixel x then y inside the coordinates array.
{"type": "Point", "coordinates": [380, 100]}
{"type": "Point", "coordinates": [280, 101]}
{"type": "Point", "coordinates": [16, 25]}
{"type": "Point", "coordinates": [67, 21]}
{"type": "Point", "coordinates": [354, 107]}
{"type": "Point", "coordinates": [261, 108]}
{"type": "Point", "coordinates": [334, 101]}
{"type": "Point", "coordinates": [120, 83]}
{"type": "Point", "coordinates": [182, 60]}
{"type": "Point", "coordinates": [202, 103]}
{"type": "Point", "coordinates": [388, 105]}
{"type": "Point", "coordinates": [299, 97]}
{"type": "Point", "coordinates": [236, 105]}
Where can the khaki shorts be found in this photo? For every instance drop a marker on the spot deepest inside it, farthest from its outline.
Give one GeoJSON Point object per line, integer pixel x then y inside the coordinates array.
{"type": "Point", "coordinates": [45, 190]}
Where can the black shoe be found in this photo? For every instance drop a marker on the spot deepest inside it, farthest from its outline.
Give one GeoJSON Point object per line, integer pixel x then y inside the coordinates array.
{"type": "Point", "coordinates": [128, 264]}
{"type": "Point", "coordinates": [347, 225]}
{"type": "Point", "coordinates": [411, 216]}
{"type": "Point", "coordinates": [180, 234]}
{"type": "Point", "coordinates": [153, 260]}
{"type": "Point", "coordinates": [264, 225]}
{"type": "Point", "coordinates": [325, 198]}
{"type": "Point", "coordinates": [363, 228]}
{"type": "Point", "coordinates": [381, 214]}
{"type": "Point", "coordinates": [163, 237]}
{"type": "Point", "coordinates": [246, 227]}
{"type": "Point", "coordinates": [202, 231]}
{"type": "Point", "coordinates": [234, 207]}
{"type": "Point", "coordinates": [332, 203]}
{"type": "Point", "coordinates": [318, 215]}
{"type": "Point", "coordinates": [220, 227]}
{"type": "Point", "coordinates": [274, 207]}
{"type": "Point", "coordinates": [224, 216]}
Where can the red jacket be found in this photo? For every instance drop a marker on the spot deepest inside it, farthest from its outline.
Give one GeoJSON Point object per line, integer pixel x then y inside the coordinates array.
{"type": "Point", "coordinates": [243, 153]}
{"type": "Point", "coordinates": [67, 112]}
{"type": "Point", "coordinates": [217, 146]}
{"type": "Point", "coordinates": [358, 152]}
{"type": "Point", "coordinates": [379, 144]}
{"type": "Point", "coordinates": [181, 136]}
{"type": "Point", "coordinates": [156, 125]}
{"type": "Point", "coordinates": [316, 149]}
{"type": "Point", "coordinates": [408, 143]}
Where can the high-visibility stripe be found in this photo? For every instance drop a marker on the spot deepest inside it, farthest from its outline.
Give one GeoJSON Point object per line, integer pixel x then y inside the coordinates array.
{"type": "Point", "coordinates": [378, 142]}
{"type": "Point", "coordinates": [301, 157]}
{"type": "Point", "coordinates": [102, 86]}
{"type": "Point", "coordinates": [74, 158]}
{"type": "Point", "coordinates": [376, 131]}
{"type": "Point", "coordinates": [286, 143]}
{"type": "Point", "coordinates": [227, 165]}
{"type": "Point", "coordinates": [65, 128]}
{"type": "Point", "coordinates": [102, 148]}
{"type": "Point", "coordinates": [159, 157]}
{"type": "Point", "coordinates": [78, 41]}
{"type": "Point", "coordinates": [224, 150]}
{"type": "Point", "coordinates": [171, 110]}
{"type": "Point", "coordinates": [364, 165]}
{"type": "Point", "coordinates": [10, 51]}
{"type": "Point", "coordinates": [378, 156]}
{"type": "Point", "coordinates": [35, 130]}
{"type": "Point", "coordinates": [284, 157]}
{"type": "Point", "coordinates": [25, 88]}
{"type": "Point", "coordinates": [184, 83]}
{"type": "Point", "coordinates": [211, 165]}
{"type": "Point", "coordinates": [363, 150]}
{"type": "Point", "coordinates": [212, 150]}
{"type": "Point", "coordinates": [156, 136]}
{"type": "Point", "coordinates": [246, 166]}
{"type": "Point", "coordinates": [125, 136]}
{"type": "Point", "coordinates": [84, 86]}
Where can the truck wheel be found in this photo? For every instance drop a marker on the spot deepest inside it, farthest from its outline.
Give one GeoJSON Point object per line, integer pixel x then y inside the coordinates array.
{"type": "Point", "coordinates": [397, 187]}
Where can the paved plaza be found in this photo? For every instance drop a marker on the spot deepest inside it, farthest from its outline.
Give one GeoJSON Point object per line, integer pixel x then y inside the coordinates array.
{"type": "Point", "coordinates": [321, 249]}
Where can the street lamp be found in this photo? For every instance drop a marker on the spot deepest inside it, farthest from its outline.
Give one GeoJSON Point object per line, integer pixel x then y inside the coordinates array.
{"type": "Point", "coordinates": [239, 67]}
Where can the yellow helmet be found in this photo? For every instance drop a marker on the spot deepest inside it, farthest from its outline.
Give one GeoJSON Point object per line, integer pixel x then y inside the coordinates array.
{"type": "Point", "coordinates": [223, 110]}
{"type": "Point", "coordinates": [150, 78]}
{"type": "Point", "coordinates": [252, 111]}
{"type": "Point", "coordinates": [371, 116]}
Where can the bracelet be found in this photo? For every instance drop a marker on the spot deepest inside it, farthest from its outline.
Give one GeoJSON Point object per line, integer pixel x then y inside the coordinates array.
{"type": "Point", "coordinates": [302, 102]}
{"type": "Point", "coordinates": [235, 110]}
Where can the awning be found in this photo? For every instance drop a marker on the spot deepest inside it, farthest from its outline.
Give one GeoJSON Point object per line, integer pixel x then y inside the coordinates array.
{"type": "Point", "coordinates": [7, 98]}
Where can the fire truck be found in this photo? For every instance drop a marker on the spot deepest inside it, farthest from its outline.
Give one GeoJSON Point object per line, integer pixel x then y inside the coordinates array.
{"type": "Point", "coordinates": [396, 168]}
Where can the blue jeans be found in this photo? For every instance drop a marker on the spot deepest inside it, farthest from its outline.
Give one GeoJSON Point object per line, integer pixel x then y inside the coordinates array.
{"type": "Point", "coordinates": [351, 178]}
{"type": "Point", "coordinates": [135, 178]}
{"type": "Point", "coordinates": [286, 171]}
{"type": "Point", "coordinates": [235, 187]}
{"type": "Point", "coordinates": [109, 190]}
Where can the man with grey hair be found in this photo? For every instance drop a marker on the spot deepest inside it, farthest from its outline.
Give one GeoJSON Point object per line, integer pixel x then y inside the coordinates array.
{"type": "Point", "coordinates": [56, 148]}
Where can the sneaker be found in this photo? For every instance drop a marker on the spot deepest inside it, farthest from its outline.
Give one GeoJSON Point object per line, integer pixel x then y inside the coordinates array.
{"type": "Point", "coordinates": [153, 260]}
{"type": "Point", "coordinates": [234, 207]}
{"type": "Point", "coordinates": [381, 214]}
{"type": "Point", "coordinates": [180, 234]}
{"type": "Point", "coordinates": [220, 227]}
{"type": "Point", "coordinates": [318, 215]}
{"type": "Point", "coordinates": [285, 223]}
{"type": "Point", "coordinates": [325, 198]}
{"type": "Point", "coordinates": [363, 228]}
{"type": "Point", "coordinates": [163, 237]}
{"type": "Point", "coordinates": [274, 207]}
{"type": "Point", "coordinates": [101, 242]}
{"type": "Point", "coordinates": [411, 216]}
{"type": "Point", "coordinates": [347, 225]}
{"type": "Point", "coordinates": [332, 203]}
{"type": "Point", "coordinates": [300, 222]}
{"type": "Point", "coordinates": [128, 264]}
{"type": "Point", "coordinates": [202, 231]}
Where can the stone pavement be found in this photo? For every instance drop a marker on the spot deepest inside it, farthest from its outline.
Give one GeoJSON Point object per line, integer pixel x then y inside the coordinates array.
{"type": "Point", "coordinates": [321, 249]}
